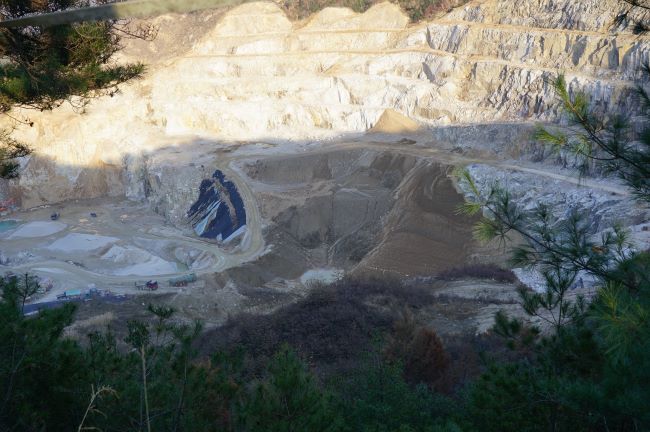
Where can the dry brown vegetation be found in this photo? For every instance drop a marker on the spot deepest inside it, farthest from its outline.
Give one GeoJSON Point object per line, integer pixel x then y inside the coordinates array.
{"type": "Point", "coordinates": [420, 350]}
{"type": "Point", "coordinates": [331, 327]}
{"type": "Point", "coordinates": [444, 367]}
{"type": "Point", "coordinates": [336, 325]}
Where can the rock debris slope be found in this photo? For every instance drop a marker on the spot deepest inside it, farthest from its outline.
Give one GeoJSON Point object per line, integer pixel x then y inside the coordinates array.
{"type": "Point", "coordinates": [251, 74]}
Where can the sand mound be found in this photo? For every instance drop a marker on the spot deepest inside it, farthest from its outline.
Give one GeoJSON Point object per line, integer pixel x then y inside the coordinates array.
{"type": "Point", "coordinates": [393, 122]}
{"type": "Point", "coordinates": [142, 262]}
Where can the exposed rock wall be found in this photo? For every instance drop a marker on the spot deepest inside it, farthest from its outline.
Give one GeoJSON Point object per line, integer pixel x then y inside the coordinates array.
{"type": "Point", "coordinates": [219, 211]}
{"type": "Point", "coordinates": [253, 74]}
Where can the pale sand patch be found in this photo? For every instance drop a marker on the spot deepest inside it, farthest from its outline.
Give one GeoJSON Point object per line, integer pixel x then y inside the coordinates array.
{"type": "Point", "coordinates": [49, 270]}
{"type": "Point", "coordinates": [155, 266]}
{"type": "Point", "coordinates": [142, 262]}
{"type": "Point", "coordinates": [76, 242]}
{"type": "Point", "coordinates": [323, 275]}
{"type": "Point", "coordinates": [37, 229]}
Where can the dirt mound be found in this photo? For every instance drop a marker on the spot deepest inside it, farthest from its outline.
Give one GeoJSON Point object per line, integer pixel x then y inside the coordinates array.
{"type": "Point", "coordinates": [393, 122]}
{"type": "Point", "coordinates": [422, 234]}
{"type": "Point", "coordinates": [363, 210]}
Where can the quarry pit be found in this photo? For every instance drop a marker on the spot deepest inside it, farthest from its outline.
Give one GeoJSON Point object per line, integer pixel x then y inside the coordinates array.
{"type": "Point", "coordinates": [303, 218]}
{"type": "Point", "coordinates": [262, 157]}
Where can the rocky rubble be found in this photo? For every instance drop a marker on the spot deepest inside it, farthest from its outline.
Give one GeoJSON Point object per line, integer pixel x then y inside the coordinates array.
{"type": "Point", "coordinates": [603, 205]}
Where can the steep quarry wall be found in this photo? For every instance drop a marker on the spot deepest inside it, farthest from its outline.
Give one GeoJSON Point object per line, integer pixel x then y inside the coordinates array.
{"type": "Point", "coordinates": [253, 75]}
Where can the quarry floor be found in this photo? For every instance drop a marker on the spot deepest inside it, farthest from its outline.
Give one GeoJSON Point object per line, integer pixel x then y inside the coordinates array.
{"type": "Point", "coordinates": [125, 242]}
{"type": "Point", "coordinates": [372, 205]}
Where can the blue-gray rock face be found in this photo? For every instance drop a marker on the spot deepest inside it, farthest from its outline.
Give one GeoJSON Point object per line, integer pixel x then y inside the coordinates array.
{"type": "Point", "coordinates": [219, 211]}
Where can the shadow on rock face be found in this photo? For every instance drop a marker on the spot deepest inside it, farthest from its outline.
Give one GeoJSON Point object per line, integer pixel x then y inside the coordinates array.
{"type": "Point", "coordinates": [219, 211]}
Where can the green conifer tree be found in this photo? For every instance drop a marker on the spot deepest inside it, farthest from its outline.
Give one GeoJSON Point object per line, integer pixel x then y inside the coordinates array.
{"type": "Point", "coordinates": [43, 67]}
{"type": "Point", "coordinates": [288, 400]}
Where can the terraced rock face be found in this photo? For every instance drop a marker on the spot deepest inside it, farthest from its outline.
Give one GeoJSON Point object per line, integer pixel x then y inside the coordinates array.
{"type": "Point", "coordinates": [339, 71]}
{"type": "Point", "coordinates": [251, 74]}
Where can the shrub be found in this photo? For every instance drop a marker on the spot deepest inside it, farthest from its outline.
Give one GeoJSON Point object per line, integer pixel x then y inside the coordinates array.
{"type": "Point", "coordinates": [427, 360]}
{"type": "Point", "coordinates": [377, 398]}
{"type": "Point", "coordinates": [421, 352]}
{"type": "Point", "coordinates": [288, 400]}
{"type": "Point", "coordinates": [330, 328]}
{"type": "Point", "coordinates": [479, 271]}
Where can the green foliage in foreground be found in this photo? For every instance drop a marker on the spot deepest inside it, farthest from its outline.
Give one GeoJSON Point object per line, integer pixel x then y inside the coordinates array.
{"type": "Point", "coordinates": [48, 65]}
{"type": "Point", "coordinates": [589, 371]}
{"type": "Point", "coordinates": [153, 380]}
{"type": "Point", "coordinates": [575, 379]}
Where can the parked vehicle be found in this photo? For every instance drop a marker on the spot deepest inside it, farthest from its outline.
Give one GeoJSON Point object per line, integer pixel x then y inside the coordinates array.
{"type": "Point", "coordinates": [150, 285]}
{"type": "Point", "coordinates": [54, 216]}
{"type": "Point", "coordinates": [69, 295]}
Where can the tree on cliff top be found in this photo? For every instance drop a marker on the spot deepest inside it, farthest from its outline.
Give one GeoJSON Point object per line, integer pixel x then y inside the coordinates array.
{"type": "Point", "coordinates": [44, 67]}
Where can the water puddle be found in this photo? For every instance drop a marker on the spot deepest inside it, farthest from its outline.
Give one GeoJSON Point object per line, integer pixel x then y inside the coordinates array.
{"type": "Point", "coordinates": [8, 225]}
